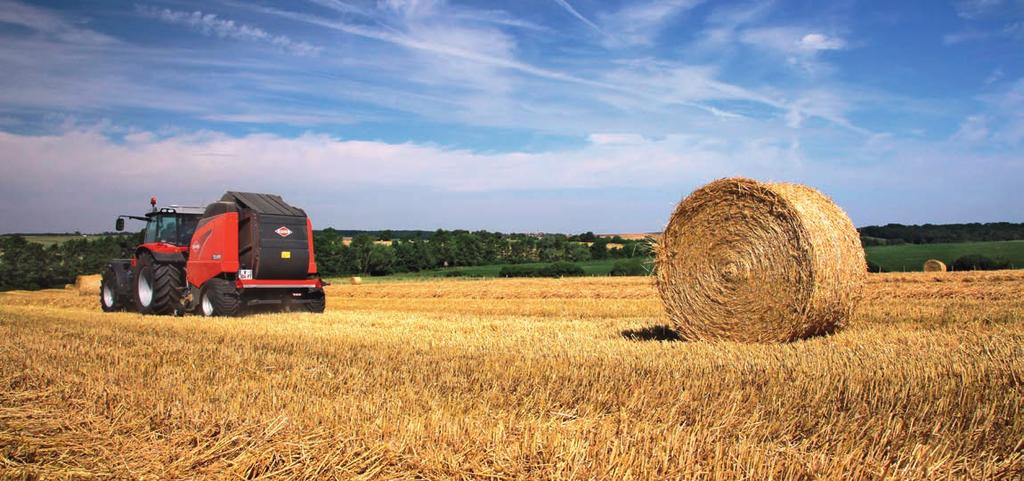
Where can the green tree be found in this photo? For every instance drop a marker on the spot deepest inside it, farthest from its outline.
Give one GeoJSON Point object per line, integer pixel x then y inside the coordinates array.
{"type": "Point", "coordinates": [381, 260]}
{"type": "Point", "coordinates": [361, 249]}
{"type": "Point", "coordinates": [23, 264]}
{"type": "Point", "coordinates": [577, 252]}
{"type": "Point", "coordinates": [599, 249]}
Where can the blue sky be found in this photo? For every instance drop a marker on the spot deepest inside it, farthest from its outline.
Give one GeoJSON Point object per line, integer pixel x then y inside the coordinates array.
{"type": "Point", "coordinates": [539, 115]}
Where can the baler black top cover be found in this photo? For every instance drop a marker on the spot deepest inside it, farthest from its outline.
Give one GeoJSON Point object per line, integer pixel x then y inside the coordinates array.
{"type": "Point", "coordinates": [272, 238]}
{"type": "Point", "coordinates": [262, 203]}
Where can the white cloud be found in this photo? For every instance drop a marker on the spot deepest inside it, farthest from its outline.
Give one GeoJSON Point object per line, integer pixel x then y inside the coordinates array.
{"type": "Point", "coordinates": [210, 24]}
{"type": "Point", "coordinates": [799, 47]}
{"type": "Point", "coordinates": [820, 41]}
{"type": "Point", "coordinates": [791, 40]}
{"type": "Point", "coordinates": [89, 157]}
{"type": "Point", "coordinates": [66, 180]}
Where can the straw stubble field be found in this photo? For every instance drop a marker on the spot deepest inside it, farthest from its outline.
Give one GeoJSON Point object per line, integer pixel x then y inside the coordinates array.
{"type": "Point", "coordinates": [515, 379]}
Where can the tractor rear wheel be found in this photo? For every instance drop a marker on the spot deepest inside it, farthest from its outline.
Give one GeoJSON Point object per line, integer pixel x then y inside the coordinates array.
{"type": "Point", "coordinates": [110, 301]}
{"type": "Point", "coordinates": [157, 286]}
{"type": "Point", "coordinates": [219, 298]}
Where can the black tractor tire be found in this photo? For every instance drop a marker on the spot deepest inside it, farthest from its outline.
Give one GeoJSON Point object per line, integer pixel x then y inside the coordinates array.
{"type": "Point", "coordinates": [317, 302]}
{"type": "Point", "coordinates": [110, 300]}
{"type": "Point", "coordinates": [219, 298]}
{"type": "Point", "coordinates": [157, 286]}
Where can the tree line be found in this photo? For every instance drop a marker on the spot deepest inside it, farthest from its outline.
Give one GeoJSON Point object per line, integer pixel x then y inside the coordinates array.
{"type": "Point", "coordinates": [30, 265]}
{"type": "Point", "coordinates": [890, 234]}
{"type": "Point", "coordinates": [461, 248]}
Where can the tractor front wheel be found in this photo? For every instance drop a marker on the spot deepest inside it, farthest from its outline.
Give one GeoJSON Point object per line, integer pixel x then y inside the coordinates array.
{"type": "Point", "coordinates": [157, 286]}
{"type": "Point", "coordinates": [219, 298]}
{"type": "Point", "coordinates": [110, 301]}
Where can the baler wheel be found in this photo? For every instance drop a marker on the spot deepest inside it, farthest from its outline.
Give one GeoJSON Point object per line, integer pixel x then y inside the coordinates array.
{"type": "Point", "coordinates": [157, 286]}
{"type": "Point", "coordinates": [317, 304]}
{"type": "Point", "coordinates": [219, 298]}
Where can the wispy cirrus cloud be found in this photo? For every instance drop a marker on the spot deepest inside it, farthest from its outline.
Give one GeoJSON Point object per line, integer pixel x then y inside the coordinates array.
{"type": "Point", "coordinates": [972, 9]}
{"type": "Point", "coordinates": [1001, 124]}
{"type": "Point", "coordinates": [457, 67]}
{"type": "Point", "coordinates": [980, 15]}
{"type": "Point", "coordinates": [638, 23]}
{"type": "Point", "coordinates": [418, 31]}
{"type": "Point", "coordinates": [572, 11]}
{"type": "Point", "coordinates": [211, 25]}
{"type": "Point", "coordinates": [50, 24]}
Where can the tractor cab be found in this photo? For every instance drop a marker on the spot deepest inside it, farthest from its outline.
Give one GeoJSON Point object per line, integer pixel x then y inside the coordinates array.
{"type": "Point", "coordinates": [171, 225]}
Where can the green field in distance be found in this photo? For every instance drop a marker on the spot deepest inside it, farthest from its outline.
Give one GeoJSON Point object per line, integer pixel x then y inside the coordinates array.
{"type": "Point", "coordinates": [911, 257]}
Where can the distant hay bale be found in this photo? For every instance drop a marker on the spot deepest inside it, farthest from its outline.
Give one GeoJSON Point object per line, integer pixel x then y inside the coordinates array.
{"type": "Point", "coordinates": [355, 281]}
{"type": "Point", "coordinates": [88, 285]}
{"type": "Point", "coordinates": [70, 287]}
{"type": "Point", "coordinates": [748, 261]}
{"type": "Point", "coordinates": [934, 265]}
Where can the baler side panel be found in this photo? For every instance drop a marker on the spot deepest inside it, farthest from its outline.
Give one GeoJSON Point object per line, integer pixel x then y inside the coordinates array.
{"type": "Point", "coordinates": [312, 255]}
{"type": "Point", "coordinates": [214, 248]}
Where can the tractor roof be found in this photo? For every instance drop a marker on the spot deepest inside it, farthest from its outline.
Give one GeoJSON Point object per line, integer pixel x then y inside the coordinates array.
{"type": "Point", "coordinates": [178, 209]}
{"type": "Point", "coordinates": [263, 203]}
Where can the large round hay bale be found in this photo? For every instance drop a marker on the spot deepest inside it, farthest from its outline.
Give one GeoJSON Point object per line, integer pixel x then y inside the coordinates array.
{"type": "Point", "coordinates": [934, 265]}
{"type": "Point", "coordinates": [749, 261]}
{"type": "Point", "coordinates": [355, 281]}
{"type": "Point", "coordinates": [88, 285]}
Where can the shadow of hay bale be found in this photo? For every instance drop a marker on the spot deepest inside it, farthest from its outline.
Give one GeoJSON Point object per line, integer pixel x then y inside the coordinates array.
{"type": "Point", "coordinates": [652, 333]}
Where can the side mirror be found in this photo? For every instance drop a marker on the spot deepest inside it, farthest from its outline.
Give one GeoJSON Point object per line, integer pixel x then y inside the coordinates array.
{"type": "Point", "coordinates": [119, 225]}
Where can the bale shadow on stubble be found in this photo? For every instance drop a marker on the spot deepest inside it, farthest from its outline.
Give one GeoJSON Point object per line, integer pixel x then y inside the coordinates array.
{"type": "Point", "coordinates": [652, 333]}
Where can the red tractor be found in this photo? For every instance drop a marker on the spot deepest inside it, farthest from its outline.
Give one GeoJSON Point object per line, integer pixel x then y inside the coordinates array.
{"type": "Point", "coordinates": [245, 251]}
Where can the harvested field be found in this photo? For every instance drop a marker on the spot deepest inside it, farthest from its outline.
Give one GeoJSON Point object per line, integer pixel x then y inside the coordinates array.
{"type": "Point", "coordinates": [515, 379]}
